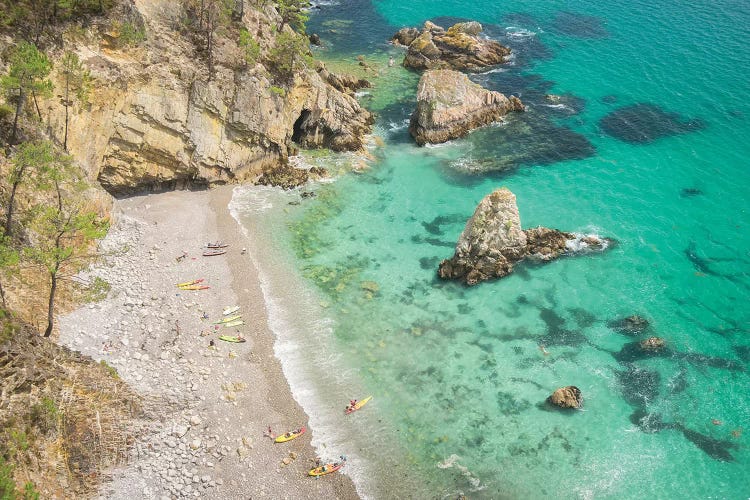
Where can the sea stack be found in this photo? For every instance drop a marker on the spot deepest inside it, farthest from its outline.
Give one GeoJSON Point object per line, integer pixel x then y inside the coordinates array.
{"type": "Point", "coordinates": [449, 105]}
{"type": "Point", "coordinates": [567, 397]}
{"type": "Point", "coordinates": [458, 47]}
{"type": "Point", "coordinates": [493, 242]}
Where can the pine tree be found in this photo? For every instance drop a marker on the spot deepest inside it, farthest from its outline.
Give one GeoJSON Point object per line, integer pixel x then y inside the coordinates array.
{"type": "Point", "coordinates": [29, 161]}
{"type": "Point", "coordinates": [77, 83]}
{"type": "Point", "coordinates": [63, 230]}
{"type": "Point", "coordinates": [29, 69]}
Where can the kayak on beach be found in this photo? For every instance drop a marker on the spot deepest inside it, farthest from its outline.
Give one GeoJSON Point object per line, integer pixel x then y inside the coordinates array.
{"type": "Point", "coordinates": [289, 435]}
{"type": "Point", "coordinates": [188, 283]}
{"type": "Point", "coordinates": [237, 322]}
{"type": "Point", "coordinates": [327, 468]}
{"type": "Point", "coordinates": [231, 338]}
{"type": "Point", "coordinates": [195, 287]}
{"type": "Point", "coordinates": [228, 319]}
{"type": "Point", "coordinates": [351, 408]}
{"type": "Point", "coordinates": [229, 310]}
{"type": "Point", "coordinates": [211, 253]}
{"type": "Point", "coordinates": [218, 244]}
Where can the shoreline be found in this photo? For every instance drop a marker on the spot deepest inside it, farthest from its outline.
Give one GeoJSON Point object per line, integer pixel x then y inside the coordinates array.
{"type": "Point", "coordinates": [207, 408]}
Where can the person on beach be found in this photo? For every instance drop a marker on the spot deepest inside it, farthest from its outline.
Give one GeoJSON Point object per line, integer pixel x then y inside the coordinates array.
{"type": "Point", "coordinates": [269, 433]}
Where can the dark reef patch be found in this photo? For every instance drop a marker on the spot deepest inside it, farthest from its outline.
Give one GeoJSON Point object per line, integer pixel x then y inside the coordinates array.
{"type": "Point", "coordinates": [678, 383]}
{"type": "Point", "coordinates": [632, 351]}
{"type": "Point", "coordinates": [690, 192]}
{"type": "Point", "coordinates": [631, 325]}
{"type": "Point", "coordinates": [718, 449]}
{"type": "Point", "coordinates": [579, 25]}
{"type": "Point", "coordinates": [429, 262]}
{"type": "Point", "coordinates": [435, 226]}
{"type": "Point", "coordinates": [432, 241]}
{"type": "Point", "coordinates": [644, 123]}
{"type": "Point", "coordinates": [639, 386]}
{"type": "Point", "coordinates": [743, 352]}
{"type": "Point", "coordinates": [609, 99]}
{"type": "Point", "coordinates": [509, 405]}
{"type": "Point", "coordinates": [582, 317]}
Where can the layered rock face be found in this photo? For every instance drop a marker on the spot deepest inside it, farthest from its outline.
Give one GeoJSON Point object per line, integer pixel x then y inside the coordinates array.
{"type": "Point", "coordinates": [458, 47]}
{"type": "Point", "coordinates": [158, 120]}
{"type": "Point", "coordinates": [449, 105]}
{"type": "Point", "coordinates": [567, 397]}
{"type": "Point", "coordinates": [493, 242]}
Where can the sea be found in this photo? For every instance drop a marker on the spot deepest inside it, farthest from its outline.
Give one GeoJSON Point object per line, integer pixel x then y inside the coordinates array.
{"type": "Point", "coordinates": [637, 129]}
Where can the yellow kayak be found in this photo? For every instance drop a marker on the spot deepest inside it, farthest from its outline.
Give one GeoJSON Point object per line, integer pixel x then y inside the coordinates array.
{"type": "Point", "coordinates": [357, 405]}
{"type": "Point", "coordinates": [289, 435]}
{"type": "Point", "coordinates": [228, 319]}
{"type": "Point", "coordinates": [327, 468]}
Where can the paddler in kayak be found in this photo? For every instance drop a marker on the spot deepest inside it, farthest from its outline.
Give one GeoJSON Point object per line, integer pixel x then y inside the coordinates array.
{"type": "Point", "coordinates": [352, 404]}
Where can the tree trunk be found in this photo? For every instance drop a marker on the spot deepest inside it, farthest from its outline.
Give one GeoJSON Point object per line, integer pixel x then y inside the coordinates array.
{"type": "Point", "coordinates": [19, 108]}
{"type": "Point", "coordinates": [67, 103]}
{"type": "Point", "coordinates": [36, 105]}
{"type": "Point", "coordinates": [11, 200]}
{"type": "Point", "coordinates": [51, 306]}
{"type": "Point", "coordinates": [2, 296]}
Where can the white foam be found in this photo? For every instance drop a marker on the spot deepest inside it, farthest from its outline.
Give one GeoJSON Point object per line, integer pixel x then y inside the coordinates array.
{"type": "Point", "coordinates": [578, 244]}
{"type": "Point", "coordinates": [515, 32]}
{"type": "Point", "coordinates": [494, 70]}
{"type": "Point", "coordinates": [452, 461]}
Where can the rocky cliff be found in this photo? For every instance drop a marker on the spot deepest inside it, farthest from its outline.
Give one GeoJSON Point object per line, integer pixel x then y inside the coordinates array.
{"type": "Point", "coordinates": [458, 47]}
{"type": "Point", "coordinates": [493, 242]}
{"type": "Point", "coordinates": [157, 119]}
{"type": "Point", "coordinates": [449, 105]}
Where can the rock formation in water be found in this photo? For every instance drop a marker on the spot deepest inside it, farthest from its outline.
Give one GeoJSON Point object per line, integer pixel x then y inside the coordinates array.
{"type": "Point", "coordinates": [158, 119]}
{"type": "Point", "coordinates": [567, 397]}
{"type": "Point", "coordinates": [449, 105]}
{"type": "Point", "coordinates": [630, 325]}
{"type": "Point", "coordinates": [458, 47]}
{"type": "Point", "coordinates": [493, 242]}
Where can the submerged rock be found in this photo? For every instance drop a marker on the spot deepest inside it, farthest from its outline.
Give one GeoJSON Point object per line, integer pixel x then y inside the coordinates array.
{"type": "Point", "coordinates": [493, 241]}
{"type": "Point", "coordinates": [567, 397]}
{"type": "Point", "coordinates": [644, 123]}
{"type": "Point", "coordinates": [449, 105]}
{"type": "Point", "coordinates": [630, 325]}
{"type": "Point", "coordinates": [458, 47]}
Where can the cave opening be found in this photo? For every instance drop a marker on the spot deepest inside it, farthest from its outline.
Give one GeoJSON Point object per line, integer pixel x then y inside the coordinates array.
{"type": "Point", "coordinates": [298, 130]}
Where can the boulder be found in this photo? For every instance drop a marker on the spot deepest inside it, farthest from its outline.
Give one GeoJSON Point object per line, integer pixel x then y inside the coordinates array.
{"type": "Point", "coordinates": [449, 105]}
{"type": "Point", "coordinates": [567, 397]}
{"type": "Point", "coordinates": [458, 47]}
{"type": "Point", "coordinates": [652, 344]}
{"type": "Point", "coordinates": [493, 242]}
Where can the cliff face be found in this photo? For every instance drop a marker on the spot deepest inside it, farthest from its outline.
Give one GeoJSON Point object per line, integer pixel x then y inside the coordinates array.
{"type": "Point", "coordinates": [157, 121]}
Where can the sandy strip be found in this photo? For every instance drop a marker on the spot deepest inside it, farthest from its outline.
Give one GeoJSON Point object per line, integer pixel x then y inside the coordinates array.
{"type": "Point", "coordinates": [211, 405]}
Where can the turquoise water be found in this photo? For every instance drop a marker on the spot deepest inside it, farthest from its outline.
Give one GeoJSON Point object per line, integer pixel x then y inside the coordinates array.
{"type": "Point", "coordinates": [458, 377]}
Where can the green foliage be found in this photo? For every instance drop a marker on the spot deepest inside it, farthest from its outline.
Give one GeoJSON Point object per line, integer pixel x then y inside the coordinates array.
{"type": "Point", "coordinates": [131, 34]}
{"type": "Point", "coordinates": [277, 91]}
{"type": "Point", "coordinates": [5, 112]}
{"type": "Point", "coordinates": [29, 69]}
{"type": "Point", "coordinates": [250, 46]}
{"type": "Point", "coordinates": [110, 369]}
{"type": "Point", "coordinates": [28, 73]}
{"type": "Point", "coordinates": [45, 415]}
{"type": "Point", "coordinates": [19, 440]}
{"type": "Point", "coordinates": [8, 489]}
{"type": "Point", "coordinates": [34, 18]}
{"type": "Point", "coordinates": [9, 258]}
{"type": "Point", "coordinates": [77, 78]}
{"type": "Point", "coordinates": [289, 55]}
{"type": "Point", "coordinates": [293, 13]}
{"type": "Point", "coordinates": [97, 290]}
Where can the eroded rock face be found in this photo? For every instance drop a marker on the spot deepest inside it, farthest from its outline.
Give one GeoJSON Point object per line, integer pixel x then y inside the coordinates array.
{"type": "Point", "coordinates": [449, 105]}
{"type": "Point", "coordinates": [157, 121]}
{"type": "Point", "coordinates": [567, 397]}
{"type": "Point", "coordinates": [493, 241]}
{"type": "Point", "coordinates": [652, 344]}
{"type": "Point", "coordinates": [458, 47]}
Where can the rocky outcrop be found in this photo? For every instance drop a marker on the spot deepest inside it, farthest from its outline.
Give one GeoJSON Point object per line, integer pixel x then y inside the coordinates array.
{"type": "Point", "coordinates": [652, 344]}
{"type": "Point", "coordinates": [458, 47]}
{"type": "Point", "coordinates": [449, 105]}
{"type": "Point", "coordinates": [567, 397]}
{"type": "Point", "coordinates": [493, 242]}
{"type": "Point", "coordinates": [157, 120]}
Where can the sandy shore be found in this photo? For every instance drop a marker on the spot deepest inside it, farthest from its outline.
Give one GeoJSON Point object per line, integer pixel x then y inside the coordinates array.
{"type": "Point", "coordinates": [208, 405]}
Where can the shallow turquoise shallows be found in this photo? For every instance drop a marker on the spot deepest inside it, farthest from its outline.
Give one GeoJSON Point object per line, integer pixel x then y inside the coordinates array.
{"type": "Point", "coordinates": [459, 376]}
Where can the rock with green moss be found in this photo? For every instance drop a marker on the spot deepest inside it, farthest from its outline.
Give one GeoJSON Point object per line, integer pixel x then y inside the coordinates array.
{"type": "Point", "coordinates": [458, 47]}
